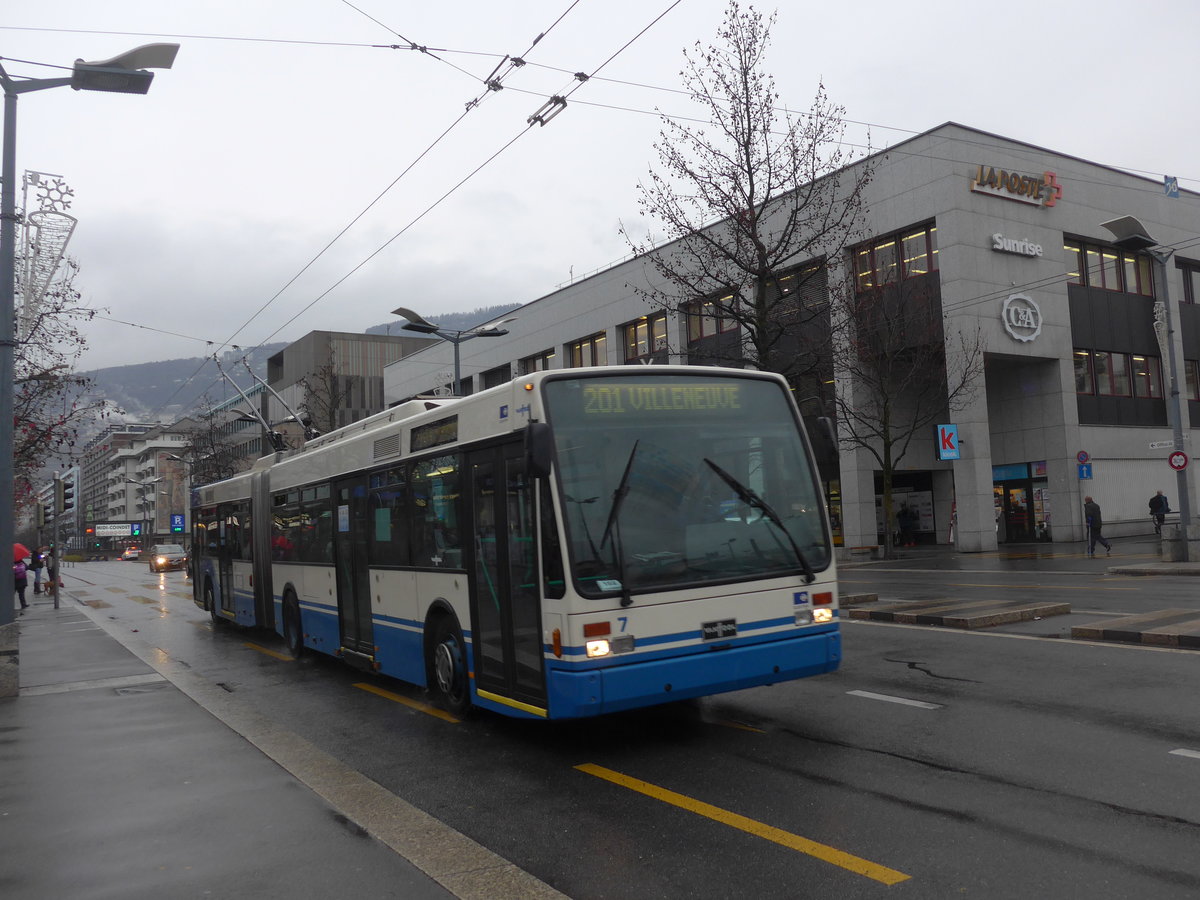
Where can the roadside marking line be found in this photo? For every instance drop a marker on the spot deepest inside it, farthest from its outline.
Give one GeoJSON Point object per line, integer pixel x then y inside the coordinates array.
{"type": "Point", "coordinates": [282, 657]}
{"type": "Point", "coordinates": [887, 698]}
{"type": "Point", "coordinates": [824, 852]}
{"type": "Point", "coordinates": [1194, 754]}
{"type": "Point", "coordinates": [411, 704]}
{"type": "Point", "coordinates": [729, 723]}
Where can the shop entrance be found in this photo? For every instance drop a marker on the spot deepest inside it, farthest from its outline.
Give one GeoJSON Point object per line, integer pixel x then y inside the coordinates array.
{"type": "Point", "coordinates": [1022, 503]}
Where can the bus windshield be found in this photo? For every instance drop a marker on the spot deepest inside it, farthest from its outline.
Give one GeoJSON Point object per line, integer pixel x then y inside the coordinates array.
{"type": "Point", "coordinates": [672, 481]}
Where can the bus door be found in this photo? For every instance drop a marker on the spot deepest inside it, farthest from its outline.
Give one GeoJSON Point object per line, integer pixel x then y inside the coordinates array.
{"type": "Point", "coordinates": [350, 562]}
{"type": "Point", "coordinates": [505, 601]}
{"type": "Point", "coordinates": [230, 532]}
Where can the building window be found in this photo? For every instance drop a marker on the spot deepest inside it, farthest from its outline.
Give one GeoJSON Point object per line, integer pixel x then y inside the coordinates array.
{"type": "Point", "coordinates": [1094, 265]}
{"type": "Point", "coordinates": [646, 338]}
{"type": "Point", "coordinates": [1123, 375]}
{"type": "Point", "coordinates": [894, 257]}
{"type": "Point", "coordinates": [1085, 381]}
{"type": "Point", "coordinates": [1147, 377]}
{"type": "Point", "coordinates": [542, 362]}
{"type": "Point", "coordinates": [706, 318]}
{"type": "Point", "coordinates": [589, 351]}
{"type": "Point", "coordinates": [1191, 281]}
{"type": "Point", "coordinates": [1190, 370]}
{"type": "Point", "coordinates": [1112, 373]}
{"type": "Point", "coordinates": [496, 376]}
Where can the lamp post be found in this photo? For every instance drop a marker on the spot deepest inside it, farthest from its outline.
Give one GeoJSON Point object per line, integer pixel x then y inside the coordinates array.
{"type": "Point", "coordinates": [122, 74]}
{"type": "Point", "coordinates": [418, 324]}
{"type": "Point", "coordinates": [1131, 234]}
{"type": "Point", "coordinates": [143, 504]}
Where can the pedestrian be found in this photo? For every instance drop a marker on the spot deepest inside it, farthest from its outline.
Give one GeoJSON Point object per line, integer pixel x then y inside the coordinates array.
{"type": "Point", "coordinates": [1159, 507]}
{"type": "Point", "coordinates": [907, 519]}
{"type": "Point", "coordinates": [37, 564]}
{"type": "Point", "coordinates": [1095, 524]}
{"type": "Point", "coordinates": [20, 581]}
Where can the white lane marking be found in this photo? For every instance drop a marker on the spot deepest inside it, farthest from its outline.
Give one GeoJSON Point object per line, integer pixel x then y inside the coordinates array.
{"type": "Point", "coordinates": [889, 699]}
{"type": "Point", "coordinates": [1194, 754]}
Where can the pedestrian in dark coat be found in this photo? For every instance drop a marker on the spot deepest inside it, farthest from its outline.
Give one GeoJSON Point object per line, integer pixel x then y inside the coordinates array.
{"type": "Point", "coordinates": [1095, 524]}
{"type": "Point", "coordinates": [20, 581]}
{"type": "Point", "coordinates": [1159, 507]}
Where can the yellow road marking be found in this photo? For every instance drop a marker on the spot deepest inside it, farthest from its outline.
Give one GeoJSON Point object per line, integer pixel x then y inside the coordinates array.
{"type": "Point", "coordinates": [411, 704]}
{"type": "Point", "coordinates": [271, 653]}
{"type": "Point", "coordinates": [823, 852]}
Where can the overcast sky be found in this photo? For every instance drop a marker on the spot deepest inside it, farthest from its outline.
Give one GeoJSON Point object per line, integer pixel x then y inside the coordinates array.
{"type": "Point", "coordinates": [199, 202]}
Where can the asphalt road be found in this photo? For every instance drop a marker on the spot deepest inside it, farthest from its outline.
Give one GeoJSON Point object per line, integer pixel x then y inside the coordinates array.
{"type": "Point", "coordinates": [936, 763]}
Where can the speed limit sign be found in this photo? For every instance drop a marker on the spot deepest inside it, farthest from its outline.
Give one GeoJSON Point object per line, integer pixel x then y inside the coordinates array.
{"type": "Point", "coordinates": [1178, 460]}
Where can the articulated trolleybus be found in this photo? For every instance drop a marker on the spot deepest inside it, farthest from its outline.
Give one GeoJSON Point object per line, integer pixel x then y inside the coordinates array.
{"type": "Point", "coordinates": [572, 543]}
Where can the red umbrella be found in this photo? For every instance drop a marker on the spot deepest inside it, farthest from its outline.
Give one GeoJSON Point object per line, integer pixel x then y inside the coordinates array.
{"type": "Point", "coordinates": [20, 552]}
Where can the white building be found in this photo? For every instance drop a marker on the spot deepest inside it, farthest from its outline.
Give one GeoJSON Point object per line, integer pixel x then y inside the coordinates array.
{"type": "Point", "coordinates": [1007, 237]}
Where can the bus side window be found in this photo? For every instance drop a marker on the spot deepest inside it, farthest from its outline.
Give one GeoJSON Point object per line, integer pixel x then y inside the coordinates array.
{"type": "Point", "coordinates": [553, 582]}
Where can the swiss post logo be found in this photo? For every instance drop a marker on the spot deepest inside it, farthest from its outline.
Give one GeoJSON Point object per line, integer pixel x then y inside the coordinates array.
{"type": "Point", "coordinates": [1036, 190]}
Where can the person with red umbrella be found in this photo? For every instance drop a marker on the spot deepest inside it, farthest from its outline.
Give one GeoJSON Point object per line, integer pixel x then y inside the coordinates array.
{"type": "Point", "coordinates": [19, 577]}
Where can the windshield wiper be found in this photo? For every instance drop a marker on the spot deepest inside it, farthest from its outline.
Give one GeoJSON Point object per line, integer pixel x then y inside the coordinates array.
{"type": "Point", "coordinates": [618, 551]}
{"type": "Point", "coordinates": [751, 498]}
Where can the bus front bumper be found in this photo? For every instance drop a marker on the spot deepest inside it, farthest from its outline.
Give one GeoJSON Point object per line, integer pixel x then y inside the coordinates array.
{"type": "Point", "coordinates": [704, 671]}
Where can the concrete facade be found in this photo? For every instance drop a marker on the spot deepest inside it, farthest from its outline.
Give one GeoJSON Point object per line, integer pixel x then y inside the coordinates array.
{"type": "Point", "coordinates": [1003, 212]}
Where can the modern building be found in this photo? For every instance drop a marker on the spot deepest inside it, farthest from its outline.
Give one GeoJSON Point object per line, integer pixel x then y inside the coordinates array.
{"type": "Point", "coordinates": [1007, 238]}
{"type": "Point", "coordinates": [337, 377]}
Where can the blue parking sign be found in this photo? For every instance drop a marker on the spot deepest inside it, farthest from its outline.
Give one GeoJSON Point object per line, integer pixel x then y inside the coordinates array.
{"type": "Point", "coordinates": [176, 523]}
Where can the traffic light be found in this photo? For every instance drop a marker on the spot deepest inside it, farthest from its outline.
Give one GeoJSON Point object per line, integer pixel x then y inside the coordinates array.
{"type": "Point", "coordinates": [68, 496]}
{"type": "Point", "coordinates": [59, 495]}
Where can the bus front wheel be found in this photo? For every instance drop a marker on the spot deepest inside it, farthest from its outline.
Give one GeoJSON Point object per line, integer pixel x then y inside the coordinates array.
{"type": "Point", "coordinates": [449, 681]}
{"type": "Point", "coordinates": [293, 631]}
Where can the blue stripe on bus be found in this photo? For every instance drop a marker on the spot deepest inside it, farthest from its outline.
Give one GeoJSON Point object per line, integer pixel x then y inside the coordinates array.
{"type": "Point", "coordinates": [694, 645]}
{"type": "Point", "coordinates": [691, 636]}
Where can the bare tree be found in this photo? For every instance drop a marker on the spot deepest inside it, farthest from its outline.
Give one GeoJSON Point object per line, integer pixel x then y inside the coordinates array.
{"type": "Point", "coordinates": [898, 373]}
{"type": "Point", "coordinates": [213, 451]}
{"type": "Point", "coordinates": [326, 392]}
{"type": "Point", "coordinates": [51, 402]}
{"type": "Point", "coordinates": [777, 187]}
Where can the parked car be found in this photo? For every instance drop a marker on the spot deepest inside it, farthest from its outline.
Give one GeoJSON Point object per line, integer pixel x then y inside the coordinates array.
{"type": "Point", "coordinates": [167, 556]}
{"type": "Point", "coordinates": [132, 553]}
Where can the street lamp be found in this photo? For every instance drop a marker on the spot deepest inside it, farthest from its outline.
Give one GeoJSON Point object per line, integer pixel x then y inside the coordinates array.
{"type": "Point", "coordinates": [1131, 234]}
{"type": "Point", "coordinates": [144, 504]}
{"type": "Point", "coordinates": [418, 324]}
{"type": "Point", "coordinates": [121, 74]}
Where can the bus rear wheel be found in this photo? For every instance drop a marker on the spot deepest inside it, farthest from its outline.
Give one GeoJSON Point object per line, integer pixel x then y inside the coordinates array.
{"type": "Point", "coordinates": [449, 667]}
{"type": "Point", "coordinates": [293, 630]}
{"type": "Point", "coordinates": [210, 601]}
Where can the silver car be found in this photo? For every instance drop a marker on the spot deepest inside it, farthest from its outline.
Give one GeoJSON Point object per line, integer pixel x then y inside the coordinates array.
{"type": "Point", "coordinates": [167, 556]}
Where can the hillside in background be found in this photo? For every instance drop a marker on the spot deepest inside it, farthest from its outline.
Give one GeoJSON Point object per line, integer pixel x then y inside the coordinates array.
{"type": "Point", "coordinates": [172, 388]}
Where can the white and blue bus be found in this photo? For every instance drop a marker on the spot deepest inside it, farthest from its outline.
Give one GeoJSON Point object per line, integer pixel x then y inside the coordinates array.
{"type": "Point", "coordinates": [572, 543]}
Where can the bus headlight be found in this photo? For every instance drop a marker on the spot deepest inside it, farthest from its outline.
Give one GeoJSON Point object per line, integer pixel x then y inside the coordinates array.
{"type": "Point", "coordinates": [597, 648]}
{"type": "Point", "coordinates": [803, 617]}
{"type": "Point", "coordinates": [823, 615]}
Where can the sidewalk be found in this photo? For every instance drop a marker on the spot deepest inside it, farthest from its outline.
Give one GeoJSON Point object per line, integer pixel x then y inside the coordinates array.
{"type": "Point", "coordinates": [117, 784]}
{"type": "Point", "coordinates": [1135, 555]}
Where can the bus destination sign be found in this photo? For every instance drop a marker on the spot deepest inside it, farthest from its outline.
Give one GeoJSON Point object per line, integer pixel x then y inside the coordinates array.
{"type": "Point", "coordinates": [615, 399]}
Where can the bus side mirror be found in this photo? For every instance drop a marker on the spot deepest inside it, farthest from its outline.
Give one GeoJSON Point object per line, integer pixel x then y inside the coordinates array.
{"type": "Point", "coordinates": [538, 449]}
